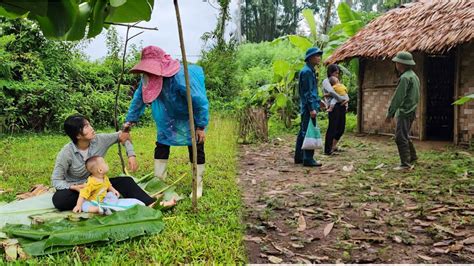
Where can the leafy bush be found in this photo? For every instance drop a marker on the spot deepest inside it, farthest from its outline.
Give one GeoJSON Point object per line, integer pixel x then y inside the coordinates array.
{"type": "Point", "coordinates": [220, 68]}
{"type": "Point", "coordinates": [42, 81]}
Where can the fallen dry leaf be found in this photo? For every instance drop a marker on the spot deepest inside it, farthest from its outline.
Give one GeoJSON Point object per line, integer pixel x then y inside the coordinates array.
{"type": "Point", "coordinates": [397, 239]}
{"type": "Point", "coordinates": [348, 168]}
{"type": "Point", "coordinates": [369, 214]}
{"type": "Point", "coordinates": [439, 251]}
{"type": "Point", "coordinates": [443, 243]}
{"type": "Point", "coordinates": [251, 174]}
{"type": "Point", "coordinates": [295, 245]}
{"type": "Point", "coordinates": [431, 218]}
{"type": "Point", "coordinates": [35, 191]}
{"type": "Point", "coordinates": [468, 241]}
{"type": "Point", "coordinates": [22, 254]}
{"type": "Point", "coordinates": [254, 182]}
{"type": "Point", "coordinates": [328, 229]}
{"type": "Point", "coordinates": [443, 229]}
{"type": "Point", "coordinates": [11, 252]}
{"type": "Point", "coordinates": [348, 225]}
{"type": "Point", "coordinates": [442, 209]}
{"type": "Point", "coordinates": [328, 171]}
{"type": "Point", "coordinates": [275, 260]}
{"type": "Point", "coordinates": [301, 260]}
{"type": "Point", "coordinates": [255, 239]}
{"type": "Point", "coordinates": [422, 223]}
{"type": "Point", "coordinates": [425, 257]}
{"type": "Point", "coordinates": [301, 223]}
{"type": "Point", "coordinates": [379, 166]}
{"type": "Point", "coordinates": [314, 258]}
{"type": "Point", "coordinates": [308, 210]}
{"type": "Point", "coordinates": [369, 238]}
{"type": "Point", "coordinates": [470, 249]}
{"type": "Point", "coordinates": [11, 248]}
{"type": "Point", "coordinates": [412, 208]}
{"type": "Point", "coordinates": [456, 247]}
{"type": "Point", "coordinates": [460, 234]}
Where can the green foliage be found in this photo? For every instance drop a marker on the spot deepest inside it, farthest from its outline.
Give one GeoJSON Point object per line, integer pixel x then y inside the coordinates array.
{"type": "Point", "coordinates": [220, 68]}
{"type": "Point", "coordinates": [43, 81]}
{"type": "Point", "coordinates": [77, 15]}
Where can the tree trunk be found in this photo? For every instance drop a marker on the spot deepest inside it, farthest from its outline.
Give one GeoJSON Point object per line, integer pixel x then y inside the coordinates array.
{"type": "Point", "coordinates": [223, 19]}
{"type": "Point", "coordinates": [328, 16]}
{"type": "Point", "coordinates": [256, 25]}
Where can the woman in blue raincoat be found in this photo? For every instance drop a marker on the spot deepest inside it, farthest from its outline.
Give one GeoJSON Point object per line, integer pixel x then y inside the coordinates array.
{"type": "Point", "coordinates": [163, 87]}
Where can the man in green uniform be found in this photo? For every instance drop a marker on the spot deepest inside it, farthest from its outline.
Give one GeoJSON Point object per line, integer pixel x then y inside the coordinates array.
{"type": "Point", "coordinates": [403, 107]}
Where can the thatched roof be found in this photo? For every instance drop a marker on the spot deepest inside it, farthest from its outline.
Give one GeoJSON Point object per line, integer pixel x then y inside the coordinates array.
{"type": "Point", "coordinates": [428, 26]}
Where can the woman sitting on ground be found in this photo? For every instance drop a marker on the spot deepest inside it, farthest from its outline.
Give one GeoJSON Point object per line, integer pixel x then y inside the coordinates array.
{"type": "Point", "coordinates": [70, 173]}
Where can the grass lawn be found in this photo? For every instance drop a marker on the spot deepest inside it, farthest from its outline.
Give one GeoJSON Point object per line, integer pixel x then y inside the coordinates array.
{"type": "Point", "coordinates": [214, 234]}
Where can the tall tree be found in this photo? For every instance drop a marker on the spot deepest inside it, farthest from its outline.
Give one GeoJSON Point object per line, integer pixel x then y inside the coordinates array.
{"type": "Point", "coordinates": [266, 20]}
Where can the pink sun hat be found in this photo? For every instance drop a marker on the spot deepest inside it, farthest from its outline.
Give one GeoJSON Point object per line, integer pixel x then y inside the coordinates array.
{"type": "Point", "coordinates": [157, 62]}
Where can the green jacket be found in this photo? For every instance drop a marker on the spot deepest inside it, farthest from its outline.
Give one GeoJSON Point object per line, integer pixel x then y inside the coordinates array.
{"type": "Point", "coordinates": [406, 97]}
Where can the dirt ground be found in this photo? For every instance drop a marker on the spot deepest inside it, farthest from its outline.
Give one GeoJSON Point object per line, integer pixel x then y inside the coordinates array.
{"type": "Point", "coordinates": [355, 209]}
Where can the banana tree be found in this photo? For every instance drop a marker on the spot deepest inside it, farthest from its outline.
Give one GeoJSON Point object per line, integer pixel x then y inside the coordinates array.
{"type": "Point", "coordinates": [69, 19]}
{"type": "Point", "coordinates": [284, 89]}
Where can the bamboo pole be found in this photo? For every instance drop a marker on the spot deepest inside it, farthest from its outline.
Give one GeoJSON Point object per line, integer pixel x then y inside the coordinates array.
{"type": "Point", "coordinates": [190, 106]}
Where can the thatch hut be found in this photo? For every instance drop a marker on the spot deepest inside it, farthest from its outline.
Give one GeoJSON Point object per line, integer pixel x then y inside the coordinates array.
{"type": "Point", "coordinates": [440, 35]}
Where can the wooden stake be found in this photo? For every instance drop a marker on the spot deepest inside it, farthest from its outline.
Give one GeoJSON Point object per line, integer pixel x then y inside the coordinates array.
{"type": "Point", "coordinates": [117, 92]}
{"type": "Point", "coordinates": [190, 105]}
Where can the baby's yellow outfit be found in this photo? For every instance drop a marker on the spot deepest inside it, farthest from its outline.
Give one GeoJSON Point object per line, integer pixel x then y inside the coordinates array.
{"type": "Point", "coordinates": [340, 89]}
{"type": "Point", "coordinates": [95, 188]}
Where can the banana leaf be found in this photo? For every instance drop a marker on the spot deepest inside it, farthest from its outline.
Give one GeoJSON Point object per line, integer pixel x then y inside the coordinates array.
{"type": "Point", "coordinates": [55, 237]}
{"type": "Point", "coordinates": [19, 212]}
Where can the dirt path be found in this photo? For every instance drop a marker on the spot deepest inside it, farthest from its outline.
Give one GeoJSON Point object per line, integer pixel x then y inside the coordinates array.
{"type": "Point", "coordinates": [368, 213]}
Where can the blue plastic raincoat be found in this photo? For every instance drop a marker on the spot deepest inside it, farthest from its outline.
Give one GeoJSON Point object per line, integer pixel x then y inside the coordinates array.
{"type": "Point", "coordinates": [170, 108]}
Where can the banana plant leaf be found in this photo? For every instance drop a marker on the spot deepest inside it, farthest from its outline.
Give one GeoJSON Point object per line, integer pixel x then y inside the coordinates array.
{"type": "Point", "coordinates": [55, 237]}
{"type": "Point", "coordinates": [19, 212]}
{"type": "Point", "coordinates": [464, 99]}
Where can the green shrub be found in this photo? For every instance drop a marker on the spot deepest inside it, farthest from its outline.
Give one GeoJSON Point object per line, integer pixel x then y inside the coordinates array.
{"type": "Point", "coordinates": [43, 81]}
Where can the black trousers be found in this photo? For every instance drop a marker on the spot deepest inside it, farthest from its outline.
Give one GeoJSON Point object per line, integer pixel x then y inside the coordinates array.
{"type": "Point", "coordinates": [66, 199]}
{"type": "Point", "coordinates": [162, 151]}
{"type": "Point", "coordinates": [336, 127]}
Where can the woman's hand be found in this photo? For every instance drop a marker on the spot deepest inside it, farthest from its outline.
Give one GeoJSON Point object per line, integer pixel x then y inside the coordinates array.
{"type": "Point", "coordinates": [124, 136]}
{"type": "Point", "coordinates": [77, 209]}
{"type": "Point", "coordinates": [323, 106]}
{"type": "Point", "coordinates": [132, 163]}
{"type": "Point", "coordinates": [200, 135]}
{"type": "Point", "coordinates": [77, 187]}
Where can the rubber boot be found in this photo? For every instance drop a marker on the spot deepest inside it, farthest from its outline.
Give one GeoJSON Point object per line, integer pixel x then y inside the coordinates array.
{"type": "Point", "coordinates": [200, 173]}
{"type": "Point", "coordinates": [160, 168]}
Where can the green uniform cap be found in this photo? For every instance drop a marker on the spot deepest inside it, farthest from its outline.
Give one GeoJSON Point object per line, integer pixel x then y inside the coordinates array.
{"type": "Point", "coordinates": [404, 58]}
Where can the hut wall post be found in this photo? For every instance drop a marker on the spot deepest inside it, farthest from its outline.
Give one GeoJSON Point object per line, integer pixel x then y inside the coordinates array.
{"type": "Point", "coordinates": [456, 94]}
{"type": "Point", "coordinates": [423, 96]}
{"type": "Point", "coordinates": [359, 96]}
